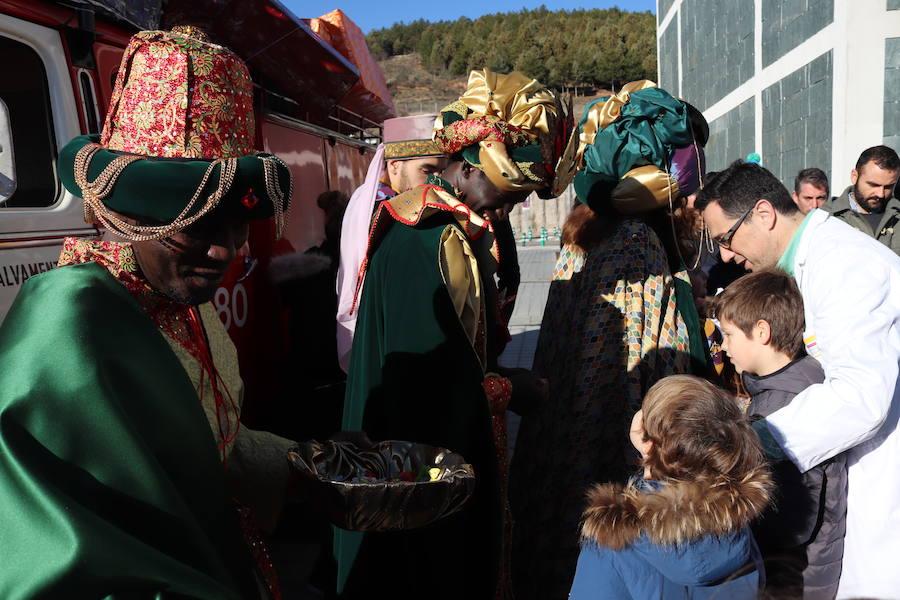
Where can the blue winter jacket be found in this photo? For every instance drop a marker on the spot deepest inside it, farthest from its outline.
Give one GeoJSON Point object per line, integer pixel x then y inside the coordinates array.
{"type": "Point", "coordinates": [724, 566]}
{"type": "Point", "coordinates": [710, 567]}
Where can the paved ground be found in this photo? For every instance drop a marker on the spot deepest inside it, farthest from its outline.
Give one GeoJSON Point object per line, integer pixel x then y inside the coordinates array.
{"type": "Point", "coordinates": [536, 264]}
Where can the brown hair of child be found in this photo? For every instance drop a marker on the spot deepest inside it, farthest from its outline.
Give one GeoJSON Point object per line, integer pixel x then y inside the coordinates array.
{"type": "Point", "coordinates": [769, 295]}
{"type": "Point", "coordinates": [698, 432]}
{"type": "Point", "coordinates": [713, 475]}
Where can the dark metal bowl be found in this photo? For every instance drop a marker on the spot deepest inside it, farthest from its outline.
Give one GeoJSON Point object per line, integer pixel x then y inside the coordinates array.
{"type": "Point", "coordinates": [333, 469]}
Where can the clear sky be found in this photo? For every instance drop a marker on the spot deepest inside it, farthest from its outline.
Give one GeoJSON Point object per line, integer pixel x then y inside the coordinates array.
{"type": "Point", "coordinates": [370, 14]}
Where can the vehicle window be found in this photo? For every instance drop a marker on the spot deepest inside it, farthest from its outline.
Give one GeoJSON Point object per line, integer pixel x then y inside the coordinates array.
{"type": "Point", "coordinates": [24, 91]}
{"type": "Point", "coordinates": [89, 103]}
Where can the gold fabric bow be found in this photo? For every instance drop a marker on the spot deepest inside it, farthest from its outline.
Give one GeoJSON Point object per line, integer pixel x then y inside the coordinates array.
{"type": "Point", "coordinates": [520, 104]}
{"type": "Point", "coordinates": [600, 116]}
{"type": "Point", "coordinates": [515, 98]}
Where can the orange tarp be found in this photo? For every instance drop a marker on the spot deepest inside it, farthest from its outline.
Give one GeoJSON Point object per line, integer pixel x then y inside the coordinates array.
{"type": "Point", "coordinates": [370, 96]}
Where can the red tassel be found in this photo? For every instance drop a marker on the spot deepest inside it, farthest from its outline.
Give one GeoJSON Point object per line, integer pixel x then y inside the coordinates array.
{"type": "Point", "coordinates": [224, 410]}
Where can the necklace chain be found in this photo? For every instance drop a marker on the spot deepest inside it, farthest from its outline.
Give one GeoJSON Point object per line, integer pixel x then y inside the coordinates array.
{"type": "Point", "coordinates": [273, 189]}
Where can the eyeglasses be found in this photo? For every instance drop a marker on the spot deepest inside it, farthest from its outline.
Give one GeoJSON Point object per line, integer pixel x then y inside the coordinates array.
{"type": "Point", "coordinates": [724, 240]}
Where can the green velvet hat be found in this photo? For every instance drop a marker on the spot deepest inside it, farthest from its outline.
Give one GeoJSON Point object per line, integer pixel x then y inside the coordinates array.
{"type": "Point", "coordinates": [177, 142]}
{"type": "Point", "coordinates": [626, 144]}
{"type": "Point", "coordinates": [159, 188]}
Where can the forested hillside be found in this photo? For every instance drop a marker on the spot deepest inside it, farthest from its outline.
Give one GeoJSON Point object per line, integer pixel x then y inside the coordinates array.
{"type": "Point", "coordinates": [602, 48]}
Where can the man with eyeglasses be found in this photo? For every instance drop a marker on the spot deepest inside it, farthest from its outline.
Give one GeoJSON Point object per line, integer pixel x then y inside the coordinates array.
{"type": "Point", "coordinates": [851, 291]}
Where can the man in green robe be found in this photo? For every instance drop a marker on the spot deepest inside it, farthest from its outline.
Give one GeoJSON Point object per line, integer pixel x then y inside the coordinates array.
{"type": "Point", "coordinates": [124, 469]}
{"type": "Point", "coordinates": [424, 359]}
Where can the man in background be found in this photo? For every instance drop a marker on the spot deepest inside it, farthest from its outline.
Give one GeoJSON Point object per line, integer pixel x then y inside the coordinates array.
{"type": "Point", "coordinates": [810, 189]}
{"type": "Point", "coordinates": [869, 204]}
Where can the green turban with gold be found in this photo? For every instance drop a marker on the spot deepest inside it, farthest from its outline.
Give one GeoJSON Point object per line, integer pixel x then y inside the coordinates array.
{"type": "Point", "coordinates": [625, 145]}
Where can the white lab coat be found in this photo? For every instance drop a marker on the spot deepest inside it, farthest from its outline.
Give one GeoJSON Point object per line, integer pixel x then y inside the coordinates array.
{"type": "Point", "coordinates": [851, 290]}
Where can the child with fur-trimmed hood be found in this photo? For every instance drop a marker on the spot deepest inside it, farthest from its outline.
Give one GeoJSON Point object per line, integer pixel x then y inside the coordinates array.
{"type": "Point", "coordinates": [681, 531]}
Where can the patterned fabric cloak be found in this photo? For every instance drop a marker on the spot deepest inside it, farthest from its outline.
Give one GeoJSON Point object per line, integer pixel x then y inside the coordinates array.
{"type": "Point", "coordinates": [610, 330]}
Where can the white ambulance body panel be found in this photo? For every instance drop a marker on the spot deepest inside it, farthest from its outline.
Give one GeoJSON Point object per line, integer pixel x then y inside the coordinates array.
{"type": "Point", "coordinates": [41, 116]}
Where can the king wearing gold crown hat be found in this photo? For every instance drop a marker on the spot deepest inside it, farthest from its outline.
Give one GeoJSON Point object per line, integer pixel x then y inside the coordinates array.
{"type": "Point", "coordinates": [122, 448]}
{"type": "Point", "coordinates": [428, 333]}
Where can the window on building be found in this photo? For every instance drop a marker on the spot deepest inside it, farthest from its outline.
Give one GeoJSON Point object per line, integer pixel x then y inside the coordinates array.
{"type": "Point", "coordinates": [29, 128]}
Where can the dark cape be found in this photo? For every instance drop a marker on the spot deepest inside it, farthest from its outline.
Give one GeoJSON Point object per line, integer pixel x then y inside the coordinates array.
{"type": "Point", "coordinates": [416, 376]}
{"type": "Point", "coordinates": [110, 482]}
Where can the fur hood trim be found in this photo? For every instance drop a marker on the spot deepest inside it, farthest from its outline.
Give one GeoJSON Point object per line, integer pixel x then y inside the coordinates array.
{"type": "Point", "coordinates": [676, 512]}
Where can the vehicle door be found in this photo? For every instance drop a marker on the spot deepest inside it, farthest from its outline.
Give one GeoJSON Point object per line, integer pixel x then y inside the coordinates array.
{"type": "Point", "coordinates": [38, 115]}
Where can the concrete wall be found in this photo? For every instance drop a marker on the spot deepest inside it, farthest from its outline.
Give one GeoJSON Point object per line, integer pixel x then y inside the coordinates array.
{"type": "Point", "coordinates": [892, 92]}
{"type": "Point", "coordinates": [786, 24]}
{"type": "Point", "coordinates": [716, 48]}
{"type": "Point", "coordinates": [731, 136]}
{"type": "Point", "coordinates": [815, 81]}
{"type": "Point", "coordinates": [668, 59]}
{"type": "Point", "coordinates": [797, 120]}
{"type": "Point", "coordinates": [663, 6]}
